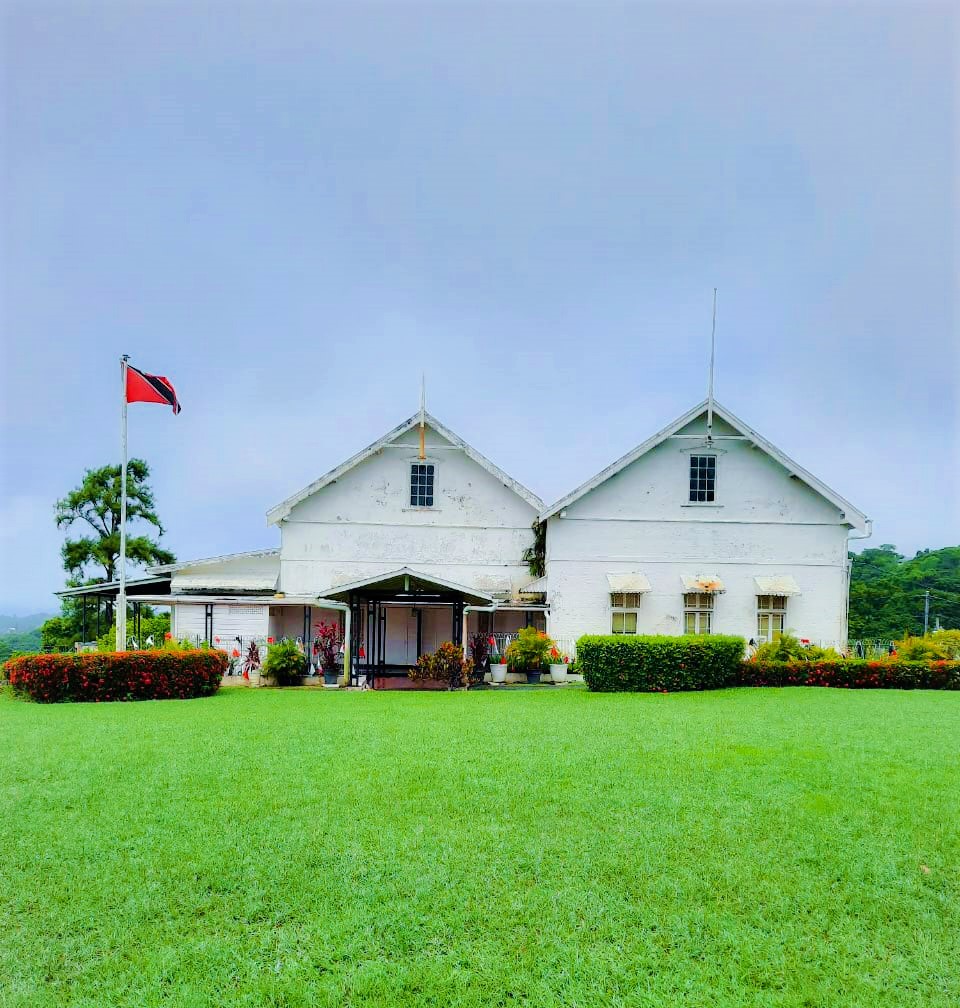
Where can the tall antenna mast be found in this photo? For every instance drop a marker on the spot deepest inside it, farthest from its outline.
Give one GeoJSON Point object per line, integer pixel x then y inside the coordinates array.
{"type": "Point", "coordinates": [423, 411]}
{"type": "Point", "coordinates": [713, 351]}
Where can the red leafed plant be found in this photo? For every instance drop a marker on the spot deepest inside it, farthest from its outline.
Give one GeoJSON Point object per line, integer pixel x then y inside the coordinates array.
{"type": "Point", "coordinates": [327, 644]}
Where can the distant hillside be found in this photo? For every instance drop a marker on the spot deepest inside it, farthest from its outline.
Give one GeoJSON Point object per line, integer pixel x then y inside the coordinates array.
{"type": "Point", "coordinates": [22, 624]}
{"type": "Point", "coordinates": [887, 591]}
{"type": "Point", "coordinates": [11, 643]}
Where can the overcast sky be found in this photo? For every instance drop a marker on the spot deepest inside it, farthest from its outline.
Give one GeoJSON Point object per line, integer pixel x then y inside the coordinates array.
{"type": "Point", "coordinates": [293, 209]}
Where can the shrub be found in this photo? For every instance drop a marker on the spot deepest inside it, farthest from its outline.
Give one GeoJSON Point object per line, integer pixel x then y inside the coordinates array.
{"type": "Point", "coordinates": [529, 650]}
{"type": "Point", "coordinates": [787, 647]}
{"type": "Point", "coordinates": [120, 675]}
{"type": "Point", "coordinates": [938, 646]}
{"type": "Point", "coordinates": [658, 664]}
{"type": "Point", "coordinates": [446, 665]}
{"type": "Point", "coordinates": [853, 673]}
{"type": "Point", "coordinates": [285, 662]}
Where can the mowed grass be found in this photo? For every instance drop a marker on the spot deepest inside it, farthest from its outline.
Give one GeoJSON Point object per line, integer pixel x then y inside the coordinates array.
{"type": "Point", "coordinates": [542, 847]}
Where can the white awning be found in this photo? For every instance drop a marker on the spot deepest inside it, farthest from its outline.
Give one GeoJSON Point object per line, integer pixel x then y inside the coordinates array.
{"type": "Point", "coordinates": [631, 581]}
{"type": "Point", "coordinates": [708, 584]}
{"type": "Point", "coordinates": [781, 584]}
{"type": "Point", "coordinates": [538, 587]}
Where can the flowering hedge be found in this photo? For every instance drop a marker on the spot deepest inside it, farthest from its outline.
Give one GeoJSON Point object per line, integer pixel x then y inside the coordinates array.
{"type": "Point", "coordinates": [621, 662]}
{"type": "Point", "coordinates": [852, 673]}
{"type": "Point", "coordinates": [123, 675]}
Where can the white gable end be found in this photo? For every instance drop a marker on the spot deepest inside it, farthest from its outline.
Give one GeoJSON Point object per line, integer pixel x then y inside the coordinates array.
{"type": "Point", "coordinates": [755, 482]}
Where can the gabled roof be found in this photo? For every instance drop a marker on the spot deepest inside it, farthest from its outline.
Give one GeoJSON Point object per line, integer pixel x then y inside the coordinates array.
{"type": "Point", "coordinates": [407, 576]}
{"type": "Point", "coordinates": [281, 511]}
{"type": "Point", "coordinates": [852, 515]}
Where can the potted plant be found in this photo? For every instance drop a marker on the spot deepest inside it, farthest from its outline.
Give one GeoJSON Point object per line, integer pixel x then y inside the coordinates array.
{"type": "Point", "coordinates": [480, 657]}
{"type": "Point", "coordinates": [498, 664]}
{"type": "Point", "coordinates": [558, 665]}
{"type": "Point", "coordinates": [285, 663]}
{"type": "Point", "coordinates": [529, 653]}
{"type": "Point", "coordinates": [326, 649]}
{"type": "Point", "coordinates": [251, 664]}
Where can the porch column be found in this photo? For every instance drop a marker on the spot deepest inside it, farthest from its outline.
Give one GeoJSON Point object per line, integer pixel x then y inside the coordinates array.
{"type": "Point", "coordinates": [346, 646]}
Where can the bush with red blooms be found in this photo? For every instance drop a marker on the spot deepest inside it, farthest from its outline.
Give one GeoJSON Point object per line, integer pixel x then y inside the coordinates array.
{"type": "Point", "coordinates": [852, 673]}
{"type": "Point", "coordinates": [117, 675]}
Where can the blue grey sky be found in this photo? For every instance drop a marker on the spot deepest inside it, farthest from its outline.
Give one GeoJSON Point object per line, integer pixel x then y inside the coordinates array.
{"type": "Point", "coordinates": [292, 210]}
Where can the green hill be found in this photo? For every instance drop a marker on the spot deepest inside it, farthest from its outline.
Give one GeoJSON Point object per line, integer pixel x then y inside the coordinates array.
{"type": "Point", "coordinates": [887, 591]}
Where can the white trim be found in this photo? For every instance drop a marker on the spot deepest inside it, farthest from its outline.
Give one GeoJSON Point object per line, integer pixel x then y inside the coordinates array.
{"type": "Point", "coordinates": [282, 510]}
{"type": "Point", "coordinates": [852, 516]}
{"type": "Point", "coordinates": [167, 568]}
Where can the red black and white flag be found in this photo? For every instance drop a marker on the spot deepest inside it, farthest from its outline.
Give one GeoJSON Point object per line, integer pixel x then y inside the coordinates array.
{"type": "Point", "coordinates": [143, 387]}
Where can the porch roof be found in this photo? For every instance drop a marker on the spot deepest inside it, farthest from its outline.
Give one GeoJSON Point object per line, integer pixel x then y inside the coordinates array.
{"type": "Point", "coordinates": [407, 582]}
{"type": "Point", "coordinates": [108, 589]}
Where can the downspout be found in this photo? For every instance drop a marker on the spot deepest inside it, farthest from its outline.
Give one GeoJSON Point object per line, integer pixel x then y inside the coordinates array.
{"type": "Point", "coordinates": [323, 603]}
{"type": "Point", "coordinates": [848, 568]}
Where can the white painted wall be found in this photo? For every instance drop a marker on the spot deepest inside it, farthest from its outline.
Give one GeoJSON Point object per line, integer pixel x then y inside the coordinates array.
{"type": "Point", "coordinates": [763, 523]}
{"type": "Point", "coordinates": [363, 524]}
{"type": "Point", "coordinates": [229, 621]}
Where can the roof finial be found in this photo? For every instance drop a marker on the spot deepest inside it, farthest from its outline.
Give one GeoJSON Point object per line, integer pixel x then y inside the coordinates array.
{"type": "Point", "coordinates": [713, 345]}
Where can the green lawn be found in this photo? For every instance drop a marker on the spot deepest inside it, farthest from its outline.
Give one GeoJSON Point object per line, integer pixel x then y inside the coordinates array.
{"type": "Point", "coordinates": [744, 847]}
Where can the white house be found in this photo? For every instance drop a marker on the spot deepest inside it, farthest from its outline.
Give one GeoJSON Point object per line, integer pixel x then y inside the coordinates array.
{"type": "Point", "coordinates": [704, 528]}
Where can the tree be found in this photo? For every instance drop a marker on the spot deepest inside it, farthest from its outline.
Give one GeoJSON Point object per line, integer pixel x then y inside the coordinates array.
{"type": "Point", "coordinates": [96, 502]}
{"type": "Point", "coordinates": [887, 591]}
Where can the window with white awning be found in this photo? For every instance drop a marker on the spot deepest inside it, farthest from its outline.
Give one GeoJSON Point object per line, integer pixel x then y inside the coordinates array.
{"type": "Point", "coordinates": [626, 590]}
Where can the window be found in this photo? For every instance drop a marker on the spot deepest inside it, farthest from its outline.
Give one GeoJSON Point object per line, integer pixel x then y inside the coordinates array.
{"type": "Point", "coordinates": [703, 478]}
{"type": "Point", "coordinates": [623, 612]}
{"type": "Point", "coordinates": [771, 610]}
{"type": "Point", "coordinates": [697, 612]}
{"type": "Point", "coordinates": [421, 484]}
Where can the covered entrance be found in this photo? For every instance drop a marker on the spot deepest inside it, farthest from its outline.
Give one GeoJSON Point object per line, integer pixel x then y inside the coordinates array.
{"type": "Point", "coordinates": [397, 617]}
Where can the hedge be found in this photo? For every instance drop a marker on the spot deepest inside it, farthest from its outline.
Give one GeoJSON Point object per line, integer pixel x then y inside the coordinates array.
{"type": "Point", "coordinates": [112, 675]}
{"type": "Point", "coordinates": [621, 662]}
{"type": "Point", "coordinates": [852, 673]}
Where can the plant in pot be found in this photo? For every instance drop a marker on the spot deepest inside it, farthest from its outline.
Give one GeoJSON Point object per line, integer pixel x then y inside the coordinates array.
{"type": "Point", "coordinates": [480, 657]}
{"type": "Point", "coordinates": [326, 649]}
{"type": "Point", "coordinates": [285, 663]}
{"type": "Point", "coordinates": [498, 663]}
{"type": "Point", "coordinates": [529, 653]}
{"type": "Point", "coordinates": [558, 665]}
{"type": "Point", "coordinates": [251, 664]}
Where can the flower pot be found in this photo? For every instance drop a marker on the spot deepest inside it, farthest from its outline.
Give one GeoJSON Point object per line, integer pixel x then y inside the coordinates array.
{"type": "Point", "coordinates": [254, 678]}
{"type": "Point", "coordinates": [331, 679]}
{"type": "Point", "coordinates": [498, 673]}
{"type": "Point", "coordinates": [533, 676]}
{"type": "Point", "coordinates": [558, 673]}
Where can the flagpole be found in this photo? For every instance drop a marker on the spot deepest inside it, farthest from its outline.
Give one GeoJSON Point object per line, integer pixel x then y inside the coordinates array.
{"type": "Point", "coordinates": [122, 595]}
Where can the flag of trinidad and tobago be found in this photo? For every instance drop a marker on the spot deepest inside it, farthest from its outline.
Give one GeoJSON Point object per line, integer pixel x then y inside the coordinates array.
{"type": "Point", "coordinates": [142, 387]}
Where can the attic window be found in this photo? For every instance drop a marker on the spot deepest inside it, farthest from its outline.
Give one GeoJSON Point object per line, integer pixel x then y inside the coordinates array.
{"type": "Point", "coordinates": [703, 478]}
{"type": "Point", "coordinates": [421, 484]}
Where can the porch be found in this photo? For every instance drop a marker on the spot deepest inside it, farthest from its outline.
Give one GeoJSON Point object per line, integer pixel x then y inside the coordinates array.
{"type": "Point", "coordinates": [397, 617]}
